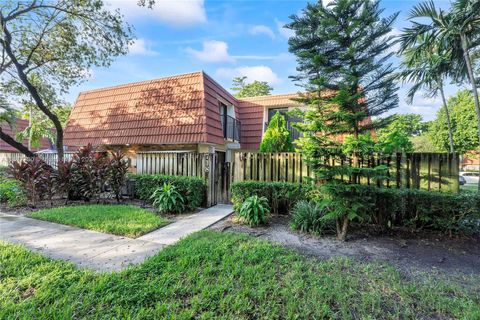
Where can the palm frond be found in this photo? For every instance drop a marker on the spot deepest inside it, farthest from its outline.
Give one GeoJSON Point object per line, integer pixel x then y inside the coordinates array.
{"type": "Point", "coordinates": [424, 10]}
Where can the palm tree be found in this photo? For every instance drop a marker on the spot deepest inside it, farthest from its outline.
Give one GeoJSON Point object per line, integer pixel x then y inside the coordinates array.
{"type": "Point", "coordinates": [458, 29]}
{"type": "Point", "coordinates": [427, 65]}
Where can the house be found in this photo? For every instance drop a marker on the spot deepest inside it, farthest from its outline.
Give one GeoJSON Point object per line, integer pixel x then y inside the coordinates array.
{"type": "Point", "coordinates": [470, 162]}
{"type": "Point", "coordinates": [12, 131]}
{"type": "Point", "coordinates": [9, 153]}
{"type": "Point", "coordinates": [188, 112]}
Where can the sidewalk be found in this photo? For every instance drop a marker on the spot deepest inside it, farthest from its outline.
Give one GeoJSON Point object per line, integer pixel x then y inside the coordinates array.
{"type": "Point", "coordinates": [101, 251]}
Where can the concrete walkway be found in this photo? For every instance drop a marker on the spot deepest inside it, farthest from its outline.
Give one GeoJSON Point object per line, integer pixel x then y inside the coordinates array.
{"type": "Point", "coordinates": [101, 251]}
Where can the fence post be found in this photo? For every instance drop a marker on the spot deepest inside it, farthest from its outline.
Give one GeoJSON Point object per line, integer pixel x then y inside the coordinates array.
{"type": "Point", "coordinates": [209, 170]}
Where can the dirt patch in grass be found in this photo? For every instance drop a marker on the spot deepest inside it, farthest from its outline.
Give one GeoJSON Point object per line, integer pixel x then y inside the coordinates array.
{"type": "Point", "coordinates": [412, 253]}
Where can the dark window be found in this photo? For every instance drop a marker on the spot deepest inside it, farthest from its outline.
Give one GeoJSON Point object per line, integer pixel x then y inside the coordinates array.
{"type": "Point", "coordinates": [231, 127]}
{"type": "Point", "coordinates": [223, 118]}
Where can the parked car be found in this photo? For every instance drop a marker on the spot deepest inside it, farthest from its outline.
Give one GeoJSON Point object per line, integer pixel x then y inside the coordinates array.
{"type": "Point", "coordinates": [470, 177]}
{"type": "Point", "coordinates": [461, 180]}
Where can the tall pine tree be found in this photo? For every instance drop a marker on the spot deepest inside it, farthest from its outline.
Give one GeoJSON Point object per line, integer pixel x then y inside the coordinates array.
{"type": "Point", "coordinates": [343, 53]}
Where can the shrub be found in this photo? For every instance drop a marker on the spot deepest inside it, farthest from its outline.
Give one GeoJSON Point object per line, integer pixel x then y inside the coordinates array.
{"type": "Point", "coordinates": [83, 177]}
{"type": "Point", "coordinates": [192, 189]}
{"type": "Point", "coordinates": [254, 210]}
{"type": "Point", "coordinates": [343, 203]}
{"type": "Point", "coordinates": [309, 216]}
{"type": "Point", "coordinates": [11, 192]}
{"type": "Point", "coordinates": [34, 176]}
{"type": "Point", "coordinates": [64, 180]}
{"type": "Point", "coordinates": [418, 209]}
{"type": "Point", "coordinates": [117, 172]}
{"type": "Point", "coordinates": [8, 189]}
{"type": "Point", "coordinates": [89, 172]}
{"type": "Point", "coordinates": [4, 171]}
{"type": "Point", "coordinates": [389, 208]}
{"type": "Point", "coordinates": [277, 137]}
{"type": "Point", "coordinates": [281, 196]}
{"type": "Point", "coordinates": [167, 199]}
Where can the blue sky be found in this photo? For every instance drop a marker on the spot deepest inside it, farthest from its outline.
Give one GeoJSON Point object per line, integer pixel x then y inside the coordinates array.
{"type": "Point", "coordinates": [225, 39]}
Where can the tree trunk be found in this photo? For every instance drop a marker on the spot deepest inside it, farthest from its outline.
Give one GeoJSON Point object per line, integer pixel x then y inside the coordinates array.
{"type": "Point", "coordinates": [471, 77]}
{"type": "Point", "coordinates": [17, 145]}
{"type": "Point", "coordinates": [6, 42]}
{"type": "Point", "coordinates": [355, 158]}
{"type": "Point", "coordinates": [30, 123]}
{"type": "Point", "coordinates": [342, 227]}
{"type": "Point", "coordinates": [447, 116]}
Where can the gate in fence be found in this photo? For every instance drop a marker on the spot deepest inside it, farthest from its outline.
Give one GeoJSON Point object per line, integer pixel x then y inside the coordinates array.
{"type": "Point", "coordinates": [211, 167]}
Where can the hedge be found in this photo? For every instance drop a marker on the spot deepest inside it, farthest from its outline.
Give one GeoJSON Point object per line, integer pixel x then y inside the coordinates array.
{"type": "Point", "coordinates": [388, 208]}
{"type": "Point", "coordinates": [418, 209]}
{"type": "Point", "coordinates": [281, 196]}
{"type": "Point", "coordinates": [192, 188]}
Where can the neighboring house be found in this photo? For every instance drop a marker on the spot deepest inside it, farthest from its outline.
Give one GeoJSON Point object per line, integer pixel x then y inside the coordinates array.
{"type": "Point", "coordinates": [189, 112]}
{"type": "Point", "coordinates": [9, 153]}
{"type": "Point", "coordinates": [470, 162]}
{"type": "Point", "coordinates": [12, 131]}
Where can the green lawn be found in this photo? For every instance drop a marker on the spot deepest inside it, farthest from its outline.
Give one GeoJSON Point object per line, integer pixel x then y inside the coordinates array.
{"type": "Point", "coordinates": [129, 221]}
{"type": "Point", "coordinates": [223, 275]}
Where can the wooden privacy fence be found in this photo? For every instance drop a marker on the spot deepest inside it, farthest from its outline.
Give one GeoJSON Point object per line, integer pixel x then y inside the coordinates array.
{"type": "Point", "coordinates": [427, 171]}
{"type": "Point", "coordinates": [173, 163]}
{"type": "Point", "coordinates": [208, 166]}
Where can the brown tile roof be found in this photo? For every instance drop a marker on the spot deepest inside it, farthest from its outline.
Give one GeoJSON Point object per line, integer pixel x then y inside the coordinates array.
{"type": "Point", "coordinates": [173, 110]}
{"type": "Point", "coordinates": [273, 100]}
{"type": "Point", "coordinates": [20, 125]}
{"type": "Point", "coordinates": [163, 111]}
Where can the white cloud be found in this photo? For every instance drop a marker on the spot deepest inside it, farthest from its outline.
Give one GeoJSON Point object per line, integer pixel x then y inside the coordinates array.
{"type": "Point", "coordinates": [140, 47]}
{"type": "Point", "coordinates": [262, 29]}
{"type": "Point", "coordinates": [426, 102]}
{"type": "Point", "coordinates": [260, 73]}
{"type": "Point", "coordinates": [213, 51]}
{"type": "Point", "coordinates": [424, 106]}
{"type": "Point", "coordinates": [327, 2]}
{"type": "Point", "coordinates": [279, 57]}
{"type": "Point", "coordinates": [284, 32]}
{"type": "Point", "coordinates": [177, 13]}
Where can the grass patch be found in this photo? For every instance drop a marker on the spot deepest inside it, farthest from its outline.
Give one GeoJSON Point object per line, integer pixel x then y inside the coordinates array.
{"type": "Point", "coordinates": [123, 220]}
{"type": "Point", "coordinates": [211, 275]}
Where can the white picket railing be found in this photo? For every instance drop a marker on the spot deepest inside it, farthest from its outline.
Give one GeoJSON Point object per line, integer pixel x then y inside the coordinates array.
{"type": "Point", "coordinates": [50, 158]}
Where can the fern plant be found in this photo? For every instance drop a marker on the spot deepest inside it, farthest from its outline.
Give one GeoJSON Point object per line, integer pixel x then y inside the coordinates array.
{"type": "Point", "coordinates": [309, 217]}
{"type": "Point", "coordinates": [168, 200]}
{"type": "Point", "coordinates": [254, 210]}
